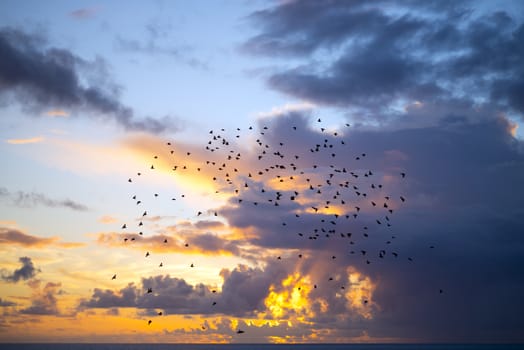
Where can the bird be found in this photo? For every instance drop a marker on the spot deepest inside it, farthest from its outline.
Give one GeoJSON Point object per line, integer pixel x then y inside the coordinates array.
{"type": "Point", "coordinates": [114, 277]}
{"type": "Point", "coordinates": [334, 191]}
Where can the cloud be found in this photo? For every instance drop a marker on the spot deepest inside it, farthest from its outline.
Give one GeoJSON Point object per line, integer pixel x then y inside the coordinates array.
{"type": "Point", "coordinates": [463, 197]}
{"type": "Point", "coordinates": [27, 271]}
{"type": "Point", "coordinates": [243, 292]}
{"type": "Point", "coordinates": [33, 199]}
{"type": "Point", "coordinates": [208, 224]}
{"type": "Point", "coordinates": [185, 241]}
{"type": "Point", "coordinates": [42, 78]}
{"type": "Point", "coordinates": [158, 42]}
{"type": "Point", "coordinates": [6, 303]}
{"type": "Point", "coordinates": [44, 301]}
{"type": "Point", "coordinates": [287, 109]}
{"type": "Point", "coordinates": [36, 139]}
{"type": "Point", "coordinates": [10, 236]}
{"type": "Point", "coordinates": [107, 219]}
{"type": "Point", "coordinates": [83, 13]}
{"type": "Point", "coordinates": [57, 113]}
{"type": "Point", "coordinates": [168, 293]}
{"type": "Point", "coordinates": [371, 57]}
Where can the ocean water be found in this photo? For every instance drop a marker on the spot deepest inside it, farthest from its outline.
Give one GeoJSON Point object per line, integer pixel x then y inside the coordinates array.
{"type": "Point", "coordinates": [48, 346]}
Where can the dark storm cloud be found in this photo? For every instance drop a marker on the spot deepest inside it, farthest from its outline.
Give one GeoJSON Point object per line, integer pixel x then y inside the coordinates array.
{"type": "Point", "coordinates": [463, 193]}
{"type": "Point", "coordinates": [368, 56]}
{"type": "Point", "coordinates": [244, 288]}
{"type": "Point", "coordinates": [33, 199]}
{"type": "Point", "coordinates": [27, 271]}
{"type": "Point", "coordinates": [43, 78]}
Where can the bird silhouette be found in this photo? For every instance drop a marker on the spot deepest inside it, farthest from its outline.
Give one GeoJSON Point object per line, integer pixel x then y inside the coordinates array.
{"type": "Point", "coordinates": [315, 180]}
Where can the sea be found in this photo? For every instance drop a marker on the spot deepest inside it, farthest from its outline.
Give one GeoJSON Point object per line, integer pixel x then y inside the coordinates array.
{"type": "Point", "coordinates": [84, 346]}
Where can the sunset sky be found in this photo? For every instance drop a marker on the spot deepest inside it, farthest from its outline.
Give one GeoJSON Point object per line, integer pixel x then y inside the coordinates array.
{"type": "Point", "coordinates": [303, 171]}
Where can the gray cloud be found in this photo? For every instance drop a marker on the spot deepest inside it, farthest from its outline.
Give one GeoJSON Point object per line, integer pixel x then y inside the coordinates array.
{"type": "Point", "coordinates": [43, 78]}
{"type": "Point", "coordinates": [243, 292]}
{"type": "Point", "coordinates": [463, 193]}
{"type": "Point", "coordinates": [158, 42]}
{"type": "Point", "coordinates": [27, 271]}
{"type": "Point", "coordinates": [6, 303]}
{"type": "Point", "coordinates": [33, 199]}
{"type": "Point", "coordinates": [44, 301]}
{"type": "Point", "coordinates": [370, 57]}
{"type": "Point", "coordinates": [83, 13]}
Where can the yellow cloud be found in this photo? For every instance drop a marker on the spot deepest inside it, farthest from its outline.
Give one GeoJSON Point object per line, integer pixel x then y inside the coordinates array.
{"type": "Point", "coordinates": [292, 296]}
{"type": "Point", "coordinates": [360, 293]}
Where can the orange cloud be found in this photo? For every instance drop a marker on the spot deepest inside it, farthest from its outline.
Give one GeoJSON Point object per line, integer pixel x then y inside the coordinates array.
{"type": "Point", "coordinates": [9, 236]}
{"type": "Point", "coordinates": [57, 113]}
{"type": "Point", "coordinates": [188, 243]}
{"type": "Point", "coordinates": [107, 219]}
{"type": "Point", "coordinates": [25, 141]}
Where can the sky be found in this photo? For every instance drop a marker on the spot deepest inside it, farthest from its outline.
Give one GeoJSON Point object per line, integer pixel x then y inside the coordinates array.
{"type": "Point", "coordinates": [301, 171]}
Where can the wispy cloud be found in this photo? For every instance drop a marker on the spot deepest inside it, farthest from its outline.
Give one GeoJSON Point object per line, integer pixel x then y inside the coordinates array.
{"type": "Point", "coordinates": [84, 13]}
{"type": "Point", "coordinates": [158, 42]}
{"type": "Point", "coordinates": [107, 219]}
{"type": "Point", "coordinates": [10, 236]}
{"type": "Point", "coordinates": [57, 113]}
{"type": "Point", "coordinates": [33, 199]}
{"type": "Point", "coordinates": [36, 139]}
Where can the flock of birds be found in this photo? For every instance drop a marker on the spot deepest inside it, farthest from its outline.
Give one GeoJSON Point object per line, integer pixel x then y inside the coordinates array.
{"type": "Point", "coordinates": [329, 198]}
